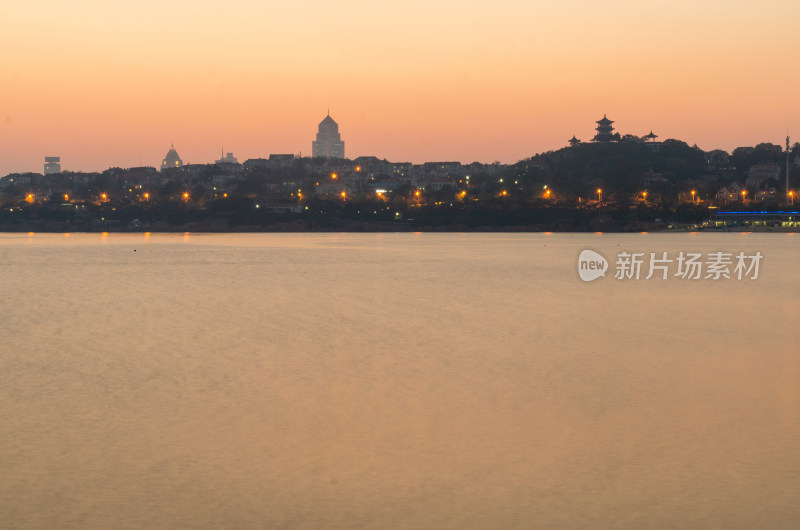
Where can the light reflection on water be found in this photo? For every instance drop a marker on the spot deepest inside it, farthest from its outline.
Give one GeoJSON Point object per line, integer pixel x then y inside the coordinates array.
{"type": "Point", "coordinates": [393, 381]}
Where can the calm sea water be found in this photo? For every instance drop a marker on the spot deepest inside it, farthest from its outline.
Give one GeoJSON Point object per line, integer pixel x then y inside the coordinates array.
{"type": "Point", "coordinates": [406, 381]}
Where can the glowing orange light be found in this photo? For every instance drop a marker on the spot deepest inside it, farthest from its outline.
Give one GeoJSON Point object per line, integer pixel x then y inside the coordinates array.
{"type": "Point", "coordinates": [334, 176]}
{"type": "Point", "coordinates": [104, 196]}
{"type": "Point", "coordinates": [66, 197]}
{"type": "Point", "coordinates": [147, 196]}
{"type": "Point", "coordinates": [343, 194]}
{"type": "Point", "coordinates": [224, 194]}
{"type": "Point", "coordinates": [29, 197]}
{"type": "Point", "coordinates": [416, 193]}
{"type": "Point", "coordinates": [358, 168]}
{"type": "Point", "coordinates": [185, 195]}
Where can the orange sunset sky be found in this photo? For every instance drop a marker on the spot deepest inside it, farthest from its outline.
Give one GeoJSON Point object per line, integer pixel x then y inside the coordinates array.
{"type": "Point", "coordinates": [105, 84]}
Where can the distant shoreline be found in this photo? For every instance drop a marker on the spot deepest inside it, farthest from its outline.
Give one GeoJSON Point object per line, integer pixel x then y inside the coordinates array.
{"type": "Point", "coordinates": [367, 228]}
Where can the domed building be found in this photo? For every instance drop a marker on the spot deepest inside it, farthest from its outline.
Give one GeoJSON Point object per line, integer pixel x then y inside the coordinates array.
{"type": "Point", "coordinates": [329, 143]}
{"type": "Point", "coordinates": [172, 159]}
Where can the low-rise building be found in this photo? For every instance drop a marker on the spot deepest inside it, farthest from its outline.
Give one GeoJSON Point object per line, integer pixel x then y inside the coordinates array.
{"type": "Point", "coordinates": [758, 174]}
{"type": "Point", "coordinates": [227, 159]}
{"type": "Point", "coordinates": [730, 193]}
{"type": "Point", "coordinates": [52, 165]}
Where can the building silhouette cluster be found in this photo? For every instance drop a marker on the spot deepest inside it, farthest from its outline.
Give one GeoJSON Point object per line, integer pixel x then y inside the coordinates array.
{"type": "Point", "coordinates": [654, 171]}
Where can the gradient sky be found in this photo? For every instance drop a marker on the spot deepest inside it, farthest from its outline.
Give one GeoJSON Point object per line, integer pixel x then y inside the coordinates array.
{"type": "Point", "coordinates": [106, 84]}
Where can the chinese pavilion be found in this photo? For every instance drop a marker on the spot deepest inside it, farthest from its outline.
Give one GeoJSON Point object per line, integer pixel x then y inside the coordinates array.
{"type": "Point", "coordinates": [605, 131]}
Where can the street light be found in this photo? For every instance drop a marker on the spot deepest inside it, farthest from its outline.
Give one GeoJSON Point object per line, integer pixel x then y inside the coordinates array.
{"type": "Point", "coordinates": [744, 193]}
{"type": "Point", "coordinates": [644, 196]}
{"type": "Point", "coordinates": [791, 197]}
{"type": "Point", "coordinates": [600, 194]}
